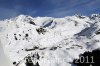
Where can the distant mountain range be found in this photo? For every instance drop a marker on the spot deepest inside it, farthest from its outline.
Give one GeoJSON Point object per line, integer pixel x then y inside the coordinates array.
{"type": "Point", "coordinates": [48, 41]}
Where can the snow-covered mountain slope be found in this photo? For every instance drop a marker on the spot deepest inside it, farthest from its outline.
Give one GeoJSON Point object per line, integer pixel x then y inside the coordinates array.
{"type": "Point", "coordinates": [49, 41]}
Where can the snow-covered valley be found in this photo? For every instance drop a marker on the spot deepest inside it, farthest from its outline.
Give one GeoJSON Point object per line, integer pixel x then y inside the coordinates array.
{"type": "Point", "coordinates": [49, 41]}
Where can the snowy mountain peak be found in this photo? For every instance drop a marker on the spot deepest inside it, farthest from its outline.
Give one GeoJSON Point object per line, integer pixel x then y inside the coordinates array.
{"type": "Point", "coordinates": [47, 40]}
{"type": "Point", "coordinates": [95, 15]}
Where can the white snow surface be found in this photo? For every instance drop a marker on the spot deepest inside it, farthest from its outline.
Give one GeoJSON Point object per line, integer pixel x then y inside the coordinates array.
{"type": "Point", "coordinates": [62, 40]}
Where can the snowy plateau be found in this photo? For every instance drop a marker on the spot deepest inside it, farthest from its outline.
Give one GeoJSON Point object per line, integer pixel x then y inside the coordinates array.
{"type": "Point", "coordinates": [48, 41]}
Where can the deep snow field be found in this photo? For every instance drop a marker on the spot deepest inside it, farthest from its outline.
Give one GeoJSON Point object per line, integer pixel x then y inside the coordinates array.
{"type": "Point", "coordinates": [48, 41]}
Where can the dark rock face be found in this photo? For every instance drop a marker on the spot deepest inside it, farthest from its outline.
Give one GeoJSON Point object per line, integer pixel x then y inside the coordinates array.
{"type": "Point", "coordinates": [31, 22]}
{"type": "Point", "coordinates": [26, 35]}
{"type": "Point", "coordinates": [14, 63]}
{"type": "Point", "coordinates": [16, 38]}
{"type": "Point", "coordinates": [98, 32]}
{"type": "Point", "coordinates": [41, 30]}
{"type": "Point", "coordinates": [88, 59]}
{"type": "Point", "coordinates": [30, 60]}
{"type": "Point", "coordinates": [53, 48]}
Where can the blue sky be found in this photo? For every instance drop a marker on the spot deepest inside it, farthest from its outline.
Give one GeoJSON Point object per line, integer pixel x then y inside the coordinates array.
{"type": "Point", "coordinates": [52, 8]}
